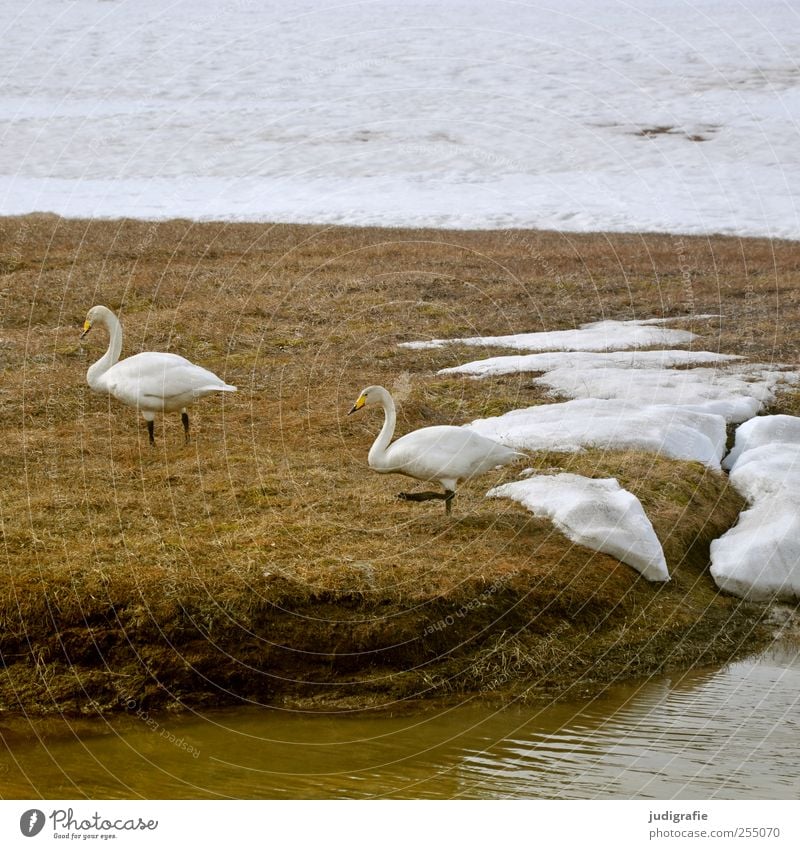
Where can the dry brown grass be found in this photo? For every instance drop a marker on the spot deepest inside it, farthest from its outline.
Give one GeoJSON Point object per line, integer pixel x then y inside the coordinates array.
{"type": "Point", "coordinates": [264, 561]}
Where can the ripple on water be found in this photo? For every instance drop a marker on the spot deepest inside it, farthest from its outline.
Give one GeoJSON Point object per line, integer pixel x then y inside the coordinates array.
{"type": "Point", "coordinates": [727, 733]}
{"type": "Point", "coordinates": [721, 734]}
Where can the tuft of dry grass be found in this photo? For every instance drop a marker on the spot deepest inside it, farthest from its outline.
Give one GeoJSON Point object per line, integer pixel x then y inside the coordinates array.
{"type": "Point", "coordinates": [264, 561]}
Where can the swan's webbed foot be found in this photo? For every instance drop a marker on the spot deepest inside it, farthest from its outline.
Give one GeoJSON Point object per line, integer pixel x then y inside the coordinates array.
{"type": "Point", "coordinates": [185, 421]}
{"type": "Point", "coordinates": [151, 431]}
{"type": "Point", "coordinates": [447, 496]}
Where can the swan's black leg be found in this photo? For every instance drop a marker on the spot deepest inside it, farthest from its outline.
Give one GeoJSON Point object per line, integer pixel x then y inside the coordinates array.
{"type": "Point", "coordinates": [421, 496]}
{"type": "Point", "coordinates": [185, 420]}
{"type": "Point", "coordinates": [447, 496]}
{"type": "Point", "coordinates": [150, 432]}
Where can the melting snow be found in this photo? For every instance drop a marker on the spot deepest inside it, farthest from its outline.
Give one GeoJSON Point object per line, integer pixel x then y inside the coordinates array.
{"type": "Point", "coordinates": [759, 558]}
{"type": "Point", "coordinates": [763, 430]}
{"type": "Point", "coordinates": [596, 513]}
{"type": "Point", "coordinates": [610, 425]}
{"type": "Point", "coordinates": [737, 392]}
{"type": "Point", "coordinates": [653, 401]}
{"type": "Point", "coordinates": [582, 360]}
{"type": "Point", "coordinates": [596, 336]}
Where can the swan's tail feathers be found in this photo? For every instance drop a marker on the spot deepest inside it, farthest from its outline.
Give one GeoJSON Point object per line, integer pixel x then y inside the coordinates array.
{"type": "Point", "coordinates": [514, 457]}
{"type": "Point", "coordinates": [225, 387]}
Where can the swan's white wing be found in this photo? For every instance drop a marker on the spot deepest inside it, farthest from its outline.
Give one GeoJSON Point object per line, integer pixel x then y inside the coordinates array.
{"type": "Point", "coordinates": [445, 453]}
{"type": "Point", "coordinates": [158, 381]}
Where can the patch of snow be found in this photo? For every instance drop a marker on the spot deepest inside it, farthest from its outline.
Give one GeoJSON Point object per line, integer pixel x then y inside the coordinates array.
{"type": "Point", "coordinates": [737, 393]}
{"type": "Point", "coordinates": [595, 336]}
{"type": "Point", "coordinates": [763, 430]}
{"type": "Point", "coordinates": [581, 360]}
{"type": "Point", "coordinates": [768, 470]}
{"type": "Point", "coordinates": [610, 425]}
{"type": "Point", "coordinates": [759, 558]}
{"type": "Point", "coordinates": [596, 513]}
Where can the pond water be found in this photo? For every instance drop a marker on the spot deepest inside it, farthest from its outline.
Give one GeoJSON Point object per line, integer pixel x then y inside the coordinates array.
{"type": "Point", "coordinates": [710, 733]}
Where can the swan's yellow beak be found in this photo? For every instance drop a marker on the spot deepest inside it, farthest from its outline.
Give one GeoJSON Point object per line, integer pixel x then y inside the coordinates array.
{"type": "Point", "coordinates": [358, 405]}
{"type": "Point", "coordinates": [87, 326]}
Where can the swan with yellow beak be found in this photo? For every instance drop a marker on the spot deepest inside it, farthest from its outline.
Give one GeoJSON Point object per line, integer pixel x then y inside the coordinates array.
{"type": "Point", "coordinates": [151, 382]}
{"type": "Point", "coordinates": [444, 453]}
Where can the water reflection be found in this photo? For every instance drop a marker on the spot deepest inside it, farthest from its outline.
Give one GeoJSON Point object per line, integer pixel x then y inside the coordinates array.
{"type": "Point", "coordinates": [727, 733]}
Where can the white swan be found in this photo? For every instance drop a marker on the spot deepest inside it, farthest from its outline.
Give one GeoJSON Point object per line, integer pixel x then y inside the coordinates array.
{"type": "Point", "coordinates": [444, 453]}
{"type": "Point", "coordinates": [151, 382]}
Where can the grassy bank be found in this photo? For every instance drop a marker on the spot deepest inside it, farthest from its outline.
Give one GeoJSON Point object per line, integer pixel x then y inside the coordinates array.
{"type": "Point", "coordinates": [264, 561]}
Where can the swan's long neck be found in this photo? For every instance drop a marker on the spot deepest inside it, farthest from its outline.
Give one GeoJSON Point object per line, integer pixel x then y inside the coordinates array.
{"type": "Point", "coordinates": [376, 456]}
{"type": "Point", "coordinates": [94, 377]}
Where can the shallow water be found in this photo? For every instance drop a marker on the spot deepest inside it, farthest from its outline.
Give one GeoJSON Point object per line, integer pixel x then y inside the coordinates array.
{"type": "Point", "coordinates": [712, 733]}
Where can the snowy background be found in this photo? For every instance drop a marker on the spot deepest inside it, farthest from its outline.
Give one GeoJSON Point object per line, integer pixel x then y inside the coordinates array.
{"type": "Point", "coordinates": [577, 115]}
